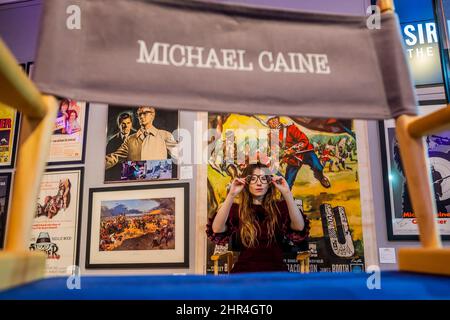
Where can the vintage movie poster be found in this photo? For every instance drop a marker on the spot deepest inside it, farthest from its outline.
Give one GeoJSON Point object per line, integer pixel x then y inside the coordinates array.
{"type": "Point", "coordinates": [323, 177]}
{"type": "Point", "coordinates": [68, 139]}
{"type": "Point", "coordinates": [56, 222]}
{"type": "Point", "coordinates": [5, 183]}
{"type": "Point", "coordinates": [8, 136]}
{"type": "Point", "coordinates": [401, 220]}
{"type": "Point", "coordinates": [140, 144]}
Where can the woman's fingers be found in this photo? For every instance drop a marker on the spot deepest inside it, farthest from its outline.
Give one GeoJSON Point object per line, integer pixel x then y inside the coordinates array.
{"type": "Point", "coordinates": [242, 180]}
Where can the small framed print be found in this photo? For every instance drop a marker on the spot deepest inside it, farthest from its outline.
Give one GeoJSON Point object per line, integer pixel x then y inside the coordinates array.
{"type": "Point", "coordinates": [68, 141]}
{"type": "Point", "coordinates": [5, 185]}
{"type": "Point", "coordinates": [57, 219]}
{"type": "Point", "coordinates": [138, 227]}
{"type": "Point", "coordinates": [9, 131]}
{"type": "Point", "coordinates": [140, 144]}
{"type": "Point", "coordinates": [400, 219]}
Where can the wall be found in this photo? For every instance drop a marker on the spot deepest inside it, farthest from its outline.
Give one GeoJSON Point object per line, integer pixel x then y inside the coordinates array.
{"type": "Point", "coordinates": [19, 29]}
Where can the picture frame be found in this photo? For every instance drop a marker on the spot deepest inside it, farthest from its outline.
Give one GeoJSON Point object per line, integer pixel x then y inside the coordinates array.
{"type": "Point", "coordinates": [9, 136]}
{"type": "Point", "coordinates": [400, 220]}
{"type": "Point", "coordinates": [56, 226]}
{"type": "Point", "coordinates": [68, 146]}
{"type": "Point", "coordinates": [5, 190]}
{"type": "Point", "coordinates": [138, 227]}
{"type": "Point", "coordinates": [139, 167]}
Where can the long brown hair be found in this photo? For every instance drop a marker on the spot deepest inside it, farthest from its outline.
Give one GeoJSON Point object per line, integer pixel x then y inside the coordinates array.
{"type": "Point", "coordinates": [249, 227]}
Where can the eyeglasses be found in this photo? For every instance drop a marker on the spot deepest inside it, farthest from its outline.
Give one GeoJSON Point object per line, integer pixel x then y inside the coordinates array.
{"type": "Point", "coordinates": [144, 113]}
{"type": "Point", "coordinates": [252, 179]}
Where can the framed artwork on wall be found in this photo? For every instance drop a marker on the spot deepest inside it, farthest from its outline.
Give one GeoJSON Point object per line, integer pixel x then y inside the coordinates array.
{"type": "Point", "coordinates": [57, 220]}
{"type": "Point", "coordinates": [5, 186]}
{"type": "Point", "coordinates": [400, 219]}
{"type": "Point", "coordinates": [68, 141]}
{"type": "Point", "coordinates": [140, 145]}
{"type": "Point", "coordinates": [138, 227]}
{"type": "Point", "coordinates": [322, 174]}
{"type": "Point", "coordinates": [9, 132]}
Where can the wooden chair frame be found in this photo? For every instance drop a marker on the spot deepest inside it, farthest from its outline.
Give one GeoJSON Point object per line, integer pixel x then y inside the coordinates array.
{"type": "Point", "coordinates": [411, 130]}
{"type": "Point", "coordinates": [302, 259]}
{"type": "Point", "coordinates": [17, 264]}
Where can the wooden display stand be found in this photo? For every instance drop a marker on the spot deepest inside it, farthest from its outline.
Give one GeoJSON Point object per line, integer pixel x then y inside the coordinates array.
{"type": "Point", "coordinates": [17, 264]}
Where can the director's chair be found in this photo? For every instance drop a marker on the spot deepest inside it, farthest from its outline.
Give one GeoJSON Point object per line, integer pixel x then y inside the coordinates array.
{"type": "Point", "coordinates": [18, 266]}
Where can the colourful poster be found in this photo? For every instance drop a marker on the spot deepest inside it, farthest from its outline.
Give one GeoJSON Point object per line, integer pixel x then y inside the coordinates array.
{"type": "Point", "coordinates": [400, 217]}
{"type": "Point", "coordinates": [140, 145]}
{"type": "Point", "coordinates": [321, 169]}
{"type": "Point", "coordinates": [5, 182]}
{"type": "Point", "coordinates": [8, 132]}
{"type": "Point", "coordinates": [56, 221]}
{"type": "Point", "coordinates": [68, 139]}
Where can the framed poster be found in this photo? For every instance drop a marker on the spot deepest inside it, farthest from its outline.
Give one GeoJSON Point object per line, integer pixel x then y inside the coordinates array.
{"type": "Point", "coordinates": [419, 32]}
{"type": "Point", "coordinates": [9, 131]}
{"type": "Point", "coordinates": [400, 218]}
{"type": "Point", "coordinates": [138, 227]}
{"type": "Point", "coordinates": [140, 144]}
{"type": "Point", "coordinates": [5, 185]}
{"type": "Point", "coordinates": [322, 174]}
{"type": "Point", "coordinates": [68, 140]}
{"type": "Point", "coordinates": [57, 220]}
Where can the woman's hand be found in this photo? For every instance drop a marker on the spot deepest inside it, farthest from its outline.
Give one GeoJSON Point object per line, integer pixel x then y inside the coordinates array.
{"type": "Point", "coordinates": [280, 183]}
{"type": "Point", "coordinates": [237, 186]}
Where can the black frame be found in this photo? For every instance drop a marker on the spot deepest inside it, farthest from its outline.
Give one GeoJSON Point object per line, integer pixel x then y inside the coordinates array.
{"type": "Point", "coordinates": [83, 149]}
{"type": "Point", "coordinates": [3, 217]}
{"type": "Point", "coordinates": [386, 187]}
{"type": "Point", "coordinates": [184, 264]}
{"type": "Point", "coordinates": [80, 207]}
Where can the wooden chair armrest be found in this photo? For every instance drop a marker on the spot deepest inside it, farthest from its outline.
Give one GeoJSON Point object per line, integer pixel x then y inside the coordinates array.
{"type": "Point", "coordinates": [303, 261]}
{"type": "Point", "coordinates": [217, 256]}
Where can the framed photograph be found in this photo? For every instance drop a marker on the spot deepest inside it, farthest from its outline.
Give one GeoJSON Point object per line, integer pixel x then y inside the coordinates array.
{"type": "Point", "coordinates": [140, 144]}
{"type": "Point", "coordinates": [138, 227]}
{"type": "Point", "coordinates": [57, 220]}
{"type": "Point", "coordinates": [9, 131]}
{"type": "Point", "coordinates": [68, 140]}
{"type": "Point", "coordinates": [5, 185]}
{"type": "Point", "coordinates": [400, 218]}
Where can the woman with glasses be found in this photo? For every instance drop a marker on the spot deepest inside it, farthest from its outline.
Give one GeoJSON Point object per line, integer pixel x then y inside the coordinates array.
{"type": "Point", "coordinates": [259, 224]}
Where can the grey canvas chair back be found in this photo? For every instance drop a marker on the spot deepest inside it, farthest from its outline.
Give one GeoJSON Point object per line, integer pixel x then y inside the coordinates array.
{"type": "Point", "coordinates": [198, 55]}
